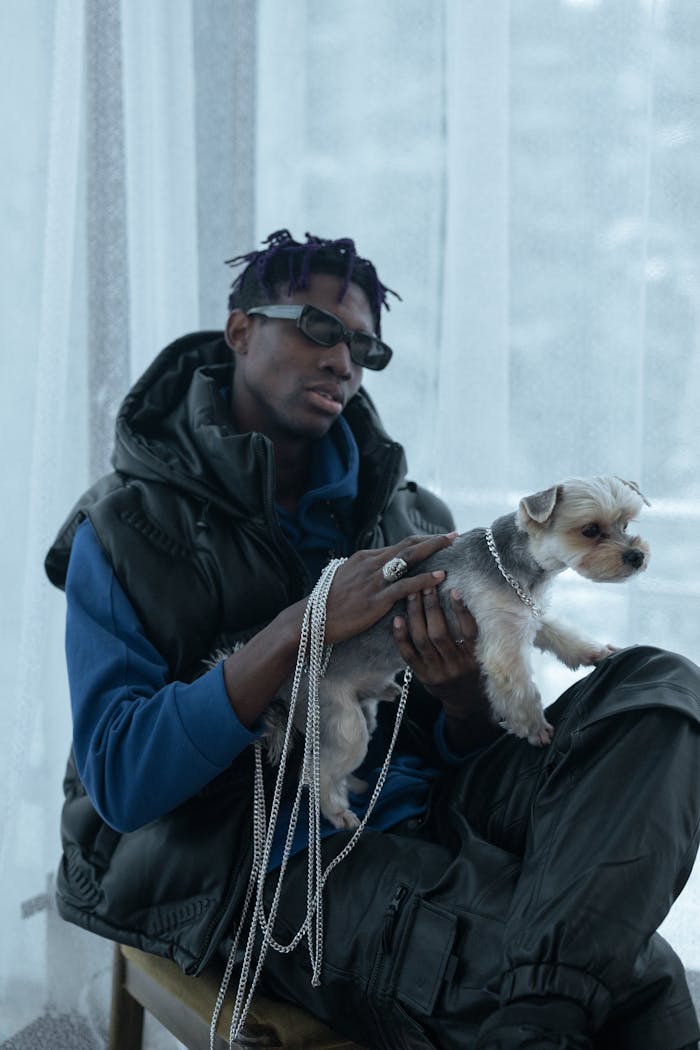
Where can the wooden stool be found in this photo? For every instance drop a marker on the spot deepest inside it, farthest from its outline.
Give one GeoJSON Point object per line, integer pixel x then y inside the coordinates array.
{"type": "Point", "coordinates": [184, 1005]}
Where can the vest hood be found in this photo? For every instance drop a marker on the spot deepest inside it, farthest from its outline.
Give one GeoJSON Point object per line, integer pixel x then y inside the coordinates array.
{"type": "Point", "coordinates": [175, 434]}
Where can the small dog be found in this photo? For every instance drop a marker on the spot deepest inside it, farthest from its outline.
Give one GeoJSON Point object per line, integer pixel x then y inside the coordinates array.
{"type": "Point", "coordinates": [501, 575]}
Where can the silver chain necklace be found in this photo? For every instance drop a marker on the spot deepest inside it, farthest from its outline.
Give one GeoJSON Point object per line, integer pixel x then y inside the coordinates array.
{"type": "Point", "coordinates": [524, 595]}
{"type": "Point", "coordinates": [312, 641]}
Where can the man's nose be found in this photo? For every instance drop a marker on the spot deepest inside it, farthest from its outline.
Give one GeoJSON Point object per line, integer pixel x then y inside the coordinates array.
{"type": "Point", "coordinates": [337, 358]}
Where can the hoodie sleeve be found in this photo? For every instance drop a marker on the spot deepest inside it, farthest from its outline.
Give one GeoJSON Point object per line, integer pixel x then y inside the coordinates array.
{"type": "Point", "coordinates": [142, 744]}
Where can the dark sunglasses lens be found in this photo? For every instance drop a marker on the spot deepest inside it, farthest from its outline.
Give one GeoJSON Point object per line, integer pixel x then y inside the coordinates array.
{"type": "Point", "coordinates": [368, 351]}
{"type": "Point", "coordinates": [320, 327]}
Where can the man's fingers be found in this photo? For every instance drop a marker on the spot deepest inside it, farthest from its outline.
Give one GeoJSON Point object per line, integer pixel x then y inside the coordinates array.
{"type": "Point", "coordinates": [435, 621]}
{"type": "Point", "coordinates": [414, 584]}
{"type": "Point", "coordinates": [417, 627]}
{"type": "Point", "coordinates": [468, 629]}
{"type": "Point", "coordinates": [415, 549]}
{"type": "Point", "coordinates": [403, 639]}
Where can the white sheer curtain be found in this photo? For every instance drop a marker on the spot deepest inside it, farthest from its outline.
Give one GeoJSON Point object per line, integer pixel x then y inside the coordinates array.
{"type": "Point", "coordinates": [43, 264]}
{"type": "Point", "coordinates": [524, 174]}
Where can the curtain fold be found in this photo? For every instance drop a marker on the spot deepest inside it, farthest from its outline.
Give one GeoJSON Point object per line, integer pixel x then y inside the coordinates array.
{"type": "Point", "coordinates": [225, 51]}
{"type": "Point", "coordinates": [525, 175]}
{"type": "Point", "coordinates": [107, 236]}
{"type": "Point", "coordinates": [161, 174]}
{"type": "Point", "coordinates": [36, 702]}
{"type": "Point", "coordinates": [475, 298]}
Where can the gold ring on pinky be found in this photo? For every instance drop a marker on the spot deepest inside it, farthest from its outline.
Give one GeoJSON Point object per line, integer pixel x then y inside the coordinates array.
{"type": "Point", "coordinates": [394, 569]}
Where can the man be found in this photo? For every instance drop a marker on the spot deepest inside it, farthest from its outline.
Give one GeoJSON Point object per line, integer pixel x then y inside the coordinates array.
{"type": "Point", "coordinates": [503, 896]}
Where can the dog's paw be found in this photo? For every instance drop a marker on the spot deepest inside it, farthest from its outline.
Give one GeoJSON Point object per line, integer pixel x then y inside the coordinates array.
{"type": "Point", "coordinates": [584, 654]}
{"type": "Point", "coordinates": [538, 733]}
{"type": "Point", "coordinates": [601, 653]}
{"type": "Point", "coordinates": [344, 820]}
{"type": "Point", "coordinates": [542, 736]}
{"type": "Point", "coordinates": [589, 654]}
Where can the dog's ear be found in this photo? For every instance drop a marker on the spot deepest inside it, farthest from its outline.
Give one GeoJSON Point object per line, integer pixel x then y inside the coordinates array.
{"type": "Point", "coordinates": [540, 506]}
{"type": "Point", "coordinates": [635, 488]}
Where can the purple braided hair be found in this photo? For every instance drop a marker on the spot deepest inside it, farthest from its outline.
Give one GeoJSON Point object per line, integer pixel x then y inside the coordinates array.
{"type": "Point", "coordinates": [285, 260]}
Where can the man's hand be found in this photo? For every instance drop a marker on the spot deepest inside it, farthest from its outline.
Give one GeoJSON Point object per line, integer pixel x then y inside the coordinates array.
{"type": "Point", "coordinates": [443, 660]}
{"type": "Point", "coordinates": [360, 596]}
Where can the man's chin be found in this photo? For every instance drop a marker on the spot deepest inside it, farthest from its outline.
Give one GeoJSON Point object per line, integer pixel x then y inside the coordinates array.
{"type": "Point", "coordinates": [310, 429]}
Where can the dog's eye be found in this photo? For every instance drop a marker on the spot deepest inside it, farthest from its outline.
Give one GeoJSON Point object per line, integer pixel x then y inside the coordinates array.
{"type": "Point", "coordinates": [591, 531]}
{"type": "Point", "coordinates": [624, 526]}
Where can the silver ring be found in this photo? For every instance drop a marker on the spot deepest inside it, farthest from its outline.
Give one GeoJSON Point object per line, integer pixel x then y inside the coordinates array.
{"type": "Point", "coordinates": [394, 569]}
{"type": "Point", "coordinates": [459, 641]}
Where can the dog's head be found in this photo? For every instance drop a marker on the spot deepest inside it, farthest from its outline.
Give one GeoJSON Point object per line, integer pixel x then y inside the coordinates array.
{"type": "Point", "coordinates": [583, 524]}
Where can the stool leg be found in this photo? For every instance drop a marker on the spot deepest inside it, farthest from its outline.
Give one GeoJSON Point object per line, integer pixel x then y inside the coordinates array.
{"type": "Point", "coordinates": [126, 1014]}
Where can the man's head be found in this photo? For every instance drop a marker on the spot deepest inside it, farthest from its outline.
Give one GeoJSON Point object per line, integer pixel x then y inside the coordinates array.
{"type": "Point", "coordinates": [285, 265]}
{"type": "Point", "coordinates": [297, 367]}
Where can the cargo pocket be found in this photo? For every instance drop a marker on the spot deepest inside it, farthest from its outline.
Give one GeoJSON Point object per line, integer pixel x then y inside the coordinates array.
{"type": "Point", "coordinates": [395, 1028]}
{"type": "Point", "coordinates": [432, 966]}
{"type": "Point", "coordinates": [423, 956]}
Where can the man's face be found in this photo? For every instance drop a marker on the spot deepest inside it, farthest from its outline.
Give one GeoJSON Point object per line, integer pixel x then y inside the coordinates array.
{"type": "Point", "coordinates": [286, 386]}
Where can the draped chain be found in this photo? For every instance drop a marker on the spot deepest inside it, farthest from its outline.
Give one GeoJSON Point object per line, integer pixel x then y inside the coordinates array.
{"type": "Point", "coordinates": [312, 661]}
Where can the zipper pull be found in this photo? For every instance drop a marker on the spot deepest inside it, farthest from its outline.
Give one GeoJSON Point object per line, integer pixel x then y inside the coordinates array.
{"type": "Point", "coordinates": [391, 917]}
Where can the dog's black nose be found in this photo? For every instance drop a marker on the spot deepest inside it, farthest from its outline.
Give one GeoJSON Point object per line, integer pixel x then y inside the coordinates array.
{"type": "Point", "coordinates": [633, 557]}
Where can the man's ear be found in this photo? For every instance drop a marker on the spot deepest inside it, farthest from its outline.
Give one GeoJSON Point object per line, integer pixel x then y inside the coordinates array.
{"type": "Point", "coordinates": [236, 332]}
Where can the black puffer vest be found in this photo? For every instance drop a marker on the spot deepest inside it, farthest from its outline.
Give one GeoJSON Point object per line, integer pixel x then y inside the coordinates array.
{"type": "Point", "coordinates": [188, 522]}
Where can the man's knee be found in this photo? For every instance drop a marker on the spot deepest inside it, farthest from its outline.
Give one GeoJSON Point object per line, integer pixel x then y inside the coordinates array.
{"type": "Point", "coordinates": [637, 679]}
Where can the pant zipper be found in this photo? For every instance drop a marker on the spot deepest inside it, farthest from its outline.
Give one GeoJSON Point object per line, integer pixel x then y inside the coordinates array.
{"type": "Point", "coordinates": [391, 917]}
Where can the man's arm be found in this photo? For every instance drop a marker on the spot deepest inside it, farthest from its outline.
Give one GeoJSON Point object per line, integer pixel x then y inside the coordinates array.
{"type": "Point", "coordinates": [143, 744]}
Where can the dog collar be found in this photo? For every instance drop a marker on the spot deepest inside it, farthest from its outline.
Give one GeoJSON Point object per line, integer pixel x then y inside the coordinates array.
{"type": "Point", "coordinates": [525, 597]}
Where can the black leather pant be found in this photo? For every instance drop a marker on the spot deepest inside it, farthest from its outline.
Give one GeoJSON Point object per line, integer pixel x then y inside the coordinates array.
{"type": "Point", "coordinates": [522, 913]}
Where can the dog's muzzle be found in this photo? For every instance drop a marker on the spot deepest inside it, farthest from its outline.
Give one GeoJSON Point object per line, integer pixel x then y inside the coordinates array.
{"type": "Point", "coordinates": [394, 569]}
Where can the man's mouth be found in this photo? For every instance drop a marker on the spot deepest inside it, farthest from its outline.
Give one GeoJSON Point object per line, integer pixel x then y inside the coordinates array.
{"type": "Point", "coordinates": [327, 398]}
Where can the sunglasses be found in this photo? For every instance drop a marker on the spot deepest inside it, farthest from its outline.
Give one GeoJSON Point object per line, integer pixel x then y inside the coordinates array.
{"type": "Point", "coordinates": [326, 329]}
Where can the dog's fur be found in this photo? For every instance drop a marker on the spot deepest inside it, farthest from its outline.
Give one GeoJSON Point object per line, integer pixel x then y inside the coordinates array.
{"type": "Point", "coordinates": [546, 535]}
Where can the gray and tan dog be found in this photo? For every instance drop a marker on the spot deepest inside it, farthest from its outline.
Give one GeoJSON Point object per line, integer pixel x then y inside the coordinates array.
{"type": "Point", "coordinates": [502, 575]}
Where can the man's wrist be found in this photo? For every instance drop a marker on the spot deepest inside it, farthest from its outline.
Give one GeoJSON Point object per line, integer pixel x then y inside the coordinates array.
{"type": "Point", "coordinates": [464, 698]}
{"type": "Point", "coordinates": [469, 731]}
{"type": "Point", "coordinates": [468, 722]}
{"type": "Point", "coordinates": [253, 674]}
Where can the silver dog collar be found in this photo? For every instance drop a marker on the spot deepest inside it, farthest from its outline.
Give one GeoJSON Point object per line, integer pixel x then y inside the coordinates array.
{"type": "Point", "coordinates": [524, 596]}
